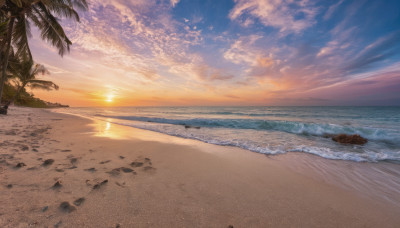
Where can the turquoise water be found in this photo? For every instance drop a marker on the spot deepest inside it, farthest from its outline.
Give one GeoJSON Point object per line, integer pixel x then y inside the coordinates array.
{"type": "Point", "coordinates": [270, 130]}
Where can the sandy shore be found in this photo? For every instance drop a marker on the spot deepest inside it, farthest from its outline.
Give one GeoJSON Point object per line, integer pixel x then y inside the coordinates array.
{"type": "Point", "coordinates": [59, 170]}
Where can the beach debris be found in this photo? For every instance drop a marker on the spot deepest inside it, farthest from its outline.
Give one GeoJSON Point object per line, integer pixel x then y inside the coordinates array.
{"type": "Point", "coordinates": [137, 164]}
{"type": "Point", "coordinates": [66, 207]}
{"type": "Point", "coordinates": [230, 226]}
{"type": "Point", "coordinates": [34, 150]}
{"type": "Point", "coordinates": [9, 186]}
{"type": "Point", "coordinates": [19, 165]}
{"type": "Point", "coordinates": [117, 225]}
{"type": "Point", "coordinates": [48, 162]}
{"type": "Point", "coordinates": [350, 139]}
{"type": "Point", "coordinates": [24, 148]}
{"type": "Point", "coordinates": [72, 167]}
{"type": "Point", "coordinates": [60, 170]}
{"type": "Point", "coordinates": [65, 150]}
{"type": "Point", "coordinates": [45, 208]}
{"type": "Point", "coordinates": [79, 201]}
{"type": "Point", "coordinates": [122, 157]}
{"type": "Point", "coordinates": [98, 185]}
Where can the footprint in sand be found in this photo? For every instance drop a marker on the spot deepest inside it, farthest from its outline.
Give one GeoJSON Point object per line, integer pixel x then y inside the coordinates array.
{"type": "Point", "coordinates": [146, 162]}
{"type": "Point", "coordinates": [98, 185]}
{"type": "Point", "coordinates": [104, 162]}
{"type": "Point", "coordinates": [48, 162]}
{"type": "Point", "coordinates": [92, 170]}
{"type": "Point", "coordinates": [66, 207]}
{"type": "Point", "coordinates": [20, 165]}
{"type": "Point", "coordinates": [57, 185]}
{"type": "Point", "coordinates": [137, 164]}
{"type": "Point", "coordinates": [73, 160]}
{"type": "Point", "coordinates": [117, 171]}
{"type": "Point", "coordinates": [120, 184]}
{"type": "Point", "coordinates": [79, 201]}
{"type": "Point", "coordinates": [148, 168]}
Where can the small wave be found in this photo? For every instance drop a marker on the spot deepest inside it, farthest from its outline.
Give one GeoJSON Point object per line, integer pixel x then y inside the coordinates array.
{"type": "Point", "coordinates": [299, 128]}
{"type": "Point", "coordinates": [329, 153]}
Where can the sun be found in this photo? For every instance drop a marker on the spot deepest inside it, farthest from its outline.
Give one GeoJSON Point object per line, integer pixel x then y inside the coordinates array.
{"type": "Point", "coordinates": [109, 98]}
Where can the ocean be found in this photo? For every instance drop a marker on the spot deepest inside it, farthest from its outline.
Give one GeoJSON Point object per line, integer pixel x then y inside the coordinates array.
{"type": "Point", "coordinates": [270, 130]}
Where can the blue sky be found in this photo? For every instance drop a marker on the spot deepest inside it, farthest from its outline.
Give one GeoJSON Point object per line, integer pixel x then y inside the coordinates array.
{"type": "Point", "coordinates": [241, 52]}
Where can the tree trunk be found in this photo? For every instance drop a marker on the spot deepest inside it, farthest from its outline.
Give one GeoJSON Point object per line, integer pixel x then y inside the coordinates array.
{"type": "Point", "coordinates": [6, 55]}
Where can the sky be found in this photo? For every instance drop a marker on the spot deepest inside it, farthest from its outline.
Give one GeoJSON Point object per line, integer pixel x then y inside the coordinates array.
{"type": "Point", "coordinates": [227, 52]}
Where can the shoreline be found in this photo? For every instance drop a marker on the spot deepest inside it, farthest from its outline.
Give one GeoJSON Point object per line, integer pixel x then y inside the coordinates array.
{"type": "Point", "coordinates": [380, 180]}
{"type": "Point", "coordinates": [187, 182]}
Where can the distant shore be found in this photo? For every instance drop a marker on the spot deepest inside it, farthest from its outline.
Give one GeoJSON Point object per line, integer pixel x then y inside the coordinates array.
{"type": "Point", "coordinates": [65, 171]}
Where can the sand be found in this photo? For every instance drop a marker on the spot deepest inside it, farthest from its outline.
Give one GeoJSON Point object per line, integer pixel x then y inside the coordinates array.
{"type": "Point", "coordinates": [58, 170]}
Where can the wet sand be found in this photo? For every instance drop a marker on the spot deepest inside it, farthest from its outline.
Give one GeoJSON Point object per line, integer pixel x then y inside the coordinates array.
{"type": "Point", "coordinates": [59, 170]}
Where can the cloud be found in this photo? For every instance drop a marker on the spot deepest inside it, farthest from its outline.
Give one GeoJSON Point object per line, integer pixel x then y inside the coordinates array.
{"type": "Point", "coordinates": [331, 10]}
{"type": "Point", "coordinates": [286, 15]}
{"type": "Point", "coordinates": [174, 2]}
{"type": "Point", "coordinates": [242, 51]}
{"type": "Point", "coordinates": [378, 51]}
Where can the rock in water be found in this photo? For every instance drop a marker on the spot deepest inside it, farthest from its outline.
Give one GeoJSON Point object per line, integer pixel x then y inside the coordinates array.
{"type": "Point", "coordinates": [350, 139]}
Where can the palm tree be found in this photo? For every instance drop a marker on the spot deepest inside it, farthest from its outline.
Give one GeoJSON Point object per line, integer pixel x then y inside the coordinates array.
{"type": "Point", "coordinates": [18, 15]}
{"type": "Point", "coordinates": [25, 74]}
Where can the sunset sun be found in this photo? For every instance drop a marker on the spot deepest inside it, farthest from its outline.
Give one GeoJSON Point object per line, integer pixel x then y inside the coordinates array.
{"type": "Point", "coordinates": [109, 98]}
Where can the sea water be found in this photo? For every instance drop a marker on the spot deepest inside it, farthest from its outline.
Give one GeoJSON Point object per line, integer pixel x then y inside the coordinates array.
{"type": "Point", "coordinates": [270, 130]}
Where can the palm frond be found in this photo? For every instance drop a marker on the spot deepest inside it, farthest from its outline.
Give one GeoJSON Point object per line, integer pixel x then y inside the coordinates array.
{"type": "Point", "coordinates": [80, 4]}
{"type": "Point", "coordinates": [42, 84]}
{"type": "Point", "coordinates": [63, 10]}
{"type": "Point", "coordinates": [50, 28]}
{"type": "Point", "coordinates": [20, 38]}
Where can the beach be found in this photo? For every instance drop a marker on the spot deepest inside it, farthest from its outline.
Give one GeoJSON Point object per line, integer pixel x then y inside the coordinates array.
{"type": "Point", "coordinates": [59, 170]}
